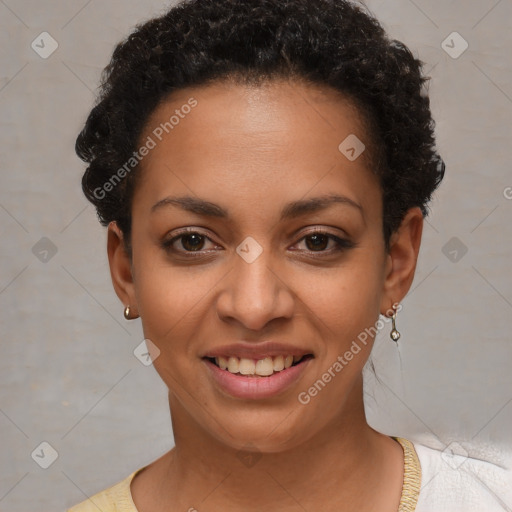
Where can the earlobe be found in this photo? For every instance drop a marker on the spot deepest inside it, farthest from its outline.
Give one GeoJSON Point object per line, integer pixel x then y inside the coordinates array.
{"type": "Point", "coordinates": [402, 258]}
{"type": "Point", "coordinates": [120, 267]}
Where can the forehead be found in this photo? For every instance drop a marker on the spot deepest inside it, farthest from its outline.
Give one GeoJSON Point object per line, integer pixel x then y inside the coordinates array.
{"type": "Point", "coordinates": [251, 142]}
{"type": "Point", "coordinates": [267, 112]}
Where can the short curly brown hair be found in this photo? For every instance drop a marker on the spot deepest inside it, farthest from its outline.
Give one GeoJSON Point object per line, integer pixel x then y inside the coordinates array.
{"type": "Point", "coordinates": [334, 43]}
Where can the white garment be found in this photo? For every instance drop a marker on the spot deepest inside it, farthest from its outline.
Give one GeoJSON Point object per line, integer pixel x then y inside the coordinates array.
{"type": "Point", "coordinates": [460, 483]}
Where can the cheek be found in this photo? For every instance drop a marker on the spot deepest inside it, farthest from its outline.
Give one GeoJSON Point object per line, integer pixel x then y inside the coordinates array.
{"type": "Point", "coordinates": [169, 298]}
{"type": "Point", "coordinates": [345, 311]}
{"type": "Point", "coordinates": [334, 305]}
{"type": "Point", "coordinates": [346, 299]}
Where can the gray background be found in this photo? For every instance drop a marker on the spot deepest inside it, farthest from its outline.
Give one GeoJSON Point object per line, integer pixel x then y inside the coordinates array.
{"type": "Point", "coordinates": [68, 373]}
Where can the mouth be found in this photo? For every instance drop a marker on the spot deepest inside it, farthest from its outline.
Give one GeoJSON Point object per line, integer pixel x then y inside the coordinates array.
{"type": "Point", "coordinates": [255, 368]}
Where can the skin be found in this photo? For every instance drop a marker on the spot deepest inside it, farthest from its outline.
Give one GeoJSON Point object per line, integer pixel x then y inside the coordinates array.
{"type": "Point", "coordinates": [252, 150]}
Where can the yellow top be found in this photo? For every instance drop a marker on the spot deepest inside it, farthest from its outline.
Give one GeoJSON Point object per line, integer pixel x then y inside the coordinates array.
{"type": "Point", "coordinates": [118, 498]}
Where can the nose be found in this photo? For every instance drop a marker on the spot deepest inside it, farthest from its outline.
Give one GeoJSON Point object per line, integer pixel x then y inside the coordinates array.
{"type": "Point", "coordinates": [253, 294]}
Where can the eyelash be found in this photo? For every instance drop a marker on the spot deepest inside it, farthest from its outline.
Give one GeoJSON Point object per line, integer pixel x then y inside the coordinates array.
{"type": "Point", "coordinates": [341, 243]}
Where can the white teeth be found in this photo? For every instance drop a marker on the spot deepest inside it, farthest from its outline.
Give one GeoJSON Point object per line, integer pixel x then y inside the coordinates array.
{"type": "Point", "coordinates": [233, 365]}
{"type": "Point", "coordinates": [278, 363]}
{"type": "Point", "coordinates": [262, 367]}
{"type": "Point", "coordinates": [246, 366]}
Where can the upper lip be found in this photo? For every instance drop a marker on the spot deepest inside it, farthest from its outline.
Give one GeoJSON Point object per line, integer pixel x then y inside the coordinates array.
{"type": "Point", "coordinates": [256, 350]}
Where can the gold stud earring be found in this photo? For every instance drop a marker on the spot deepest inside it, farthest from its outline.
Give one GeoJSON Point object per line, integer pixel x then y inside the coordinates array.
{"type": "Point", "coordinates": [127, 313]}
{"type": "Point", "coordinates": [394, 334]}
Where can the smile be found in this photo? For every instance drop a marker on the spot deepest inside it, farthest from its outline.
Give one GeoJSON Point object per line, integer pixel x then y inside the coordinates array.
{"type": "Point", "coordinates": [241, 377]}
{"type": "Point", "coordinates": [257, 367]}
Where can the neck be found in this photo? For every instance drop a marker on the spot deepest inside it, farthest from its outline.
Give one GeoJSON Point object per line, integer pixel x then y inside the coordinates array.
{"type": "Point", "coordinates": [337, 465]}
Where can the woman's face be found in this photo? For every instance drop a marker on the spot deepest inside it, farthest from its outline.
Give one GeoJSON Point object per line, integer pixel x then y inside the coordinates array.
{"type": "Point", "coordinates": [257, 166]}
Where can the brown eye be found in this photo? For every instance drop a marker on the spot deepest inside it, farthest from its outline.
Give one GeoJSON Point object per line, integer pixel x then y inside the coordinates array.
{"type": "Point", "coordinates": [187, 242]}
{"type": "Point", "coordinates": [319, 242]}
{"type": "Point", "coordinates": [192, 242]}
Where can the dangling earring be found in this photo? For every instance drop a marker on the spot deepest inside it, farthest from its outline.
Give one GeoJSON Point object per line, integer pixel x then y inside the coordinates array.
{"type": "Point", "coordinates": [127, 313]}
{"type": "Point", "coordinates": [394, 334]}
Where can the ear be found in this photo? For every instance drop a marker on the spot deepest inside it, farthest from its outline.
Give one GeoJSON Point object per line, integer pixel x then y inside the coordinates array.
{"type": "Point", "coordinates": [402, 258]}
{"type": "Point", "coordinates": [120, 267]}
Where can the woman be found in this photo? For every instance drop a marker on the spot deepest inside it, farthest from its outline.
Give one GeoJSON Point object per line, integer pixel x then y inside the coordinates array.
{"type": "Point", "coordinates": [264, 168]}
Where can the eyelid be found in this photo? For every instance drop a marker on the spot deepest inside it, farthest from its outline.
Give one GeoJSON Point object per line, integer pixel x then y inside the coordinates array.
{"type": "Point", "coordinates": [342, 242]}
{"type": "Point", "coordinates": [325, 230]}
{"type": "Point", "coordinates": [168, 242]}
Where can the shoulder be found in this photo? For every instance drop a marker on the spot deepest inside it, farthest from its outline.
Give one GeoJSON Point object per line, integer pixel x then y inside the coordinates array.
{"type": "Point", "coordinates": [463, 478]}
{"type": "Point", "coordinates": [116, 498]}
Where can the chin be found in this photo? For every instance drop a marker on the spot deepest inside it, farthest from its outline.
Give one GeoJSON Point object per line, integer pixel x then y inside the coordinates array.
{"type": "Point", "coordinates": [269, 433]}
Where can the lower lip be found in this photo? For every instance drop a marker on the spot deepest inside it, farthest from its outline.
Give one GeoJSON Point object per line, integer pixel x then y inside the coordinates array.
{"type": "Point", "coordinates": [255, 387]}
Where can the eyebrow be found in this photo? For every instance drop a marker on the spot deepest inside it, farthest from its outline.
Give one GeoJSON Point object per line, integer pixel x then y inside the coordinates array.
{"type": "Point", "coordinates": [290, 211]}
